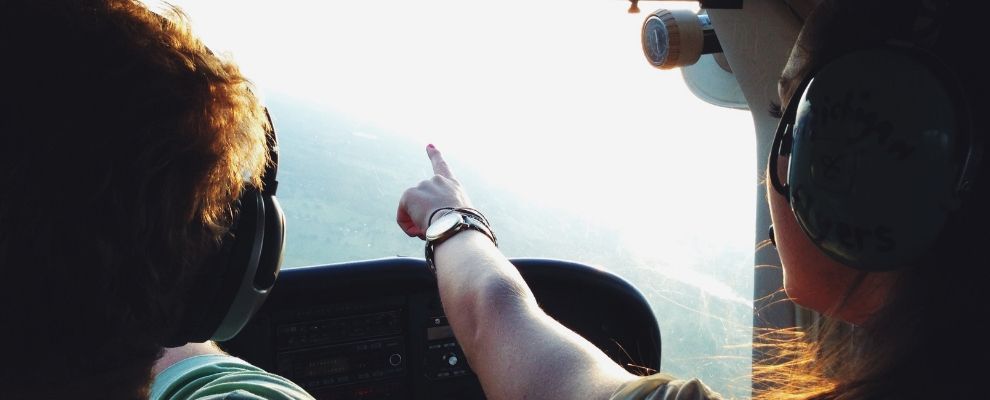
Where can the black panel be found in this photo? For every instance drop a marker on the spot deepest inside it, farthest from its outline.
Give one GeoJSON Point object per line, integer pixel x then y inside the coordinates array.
{"type": "Point", "coordinates": [724, 4]}
{"type": "Point", "coordinates": [376, 330]}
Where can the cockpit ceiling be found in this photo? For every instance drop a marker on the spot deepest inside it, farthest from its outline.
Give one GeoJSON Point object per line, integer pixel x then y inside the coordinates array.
{"type": "Point", "coordinates": [802, 8]}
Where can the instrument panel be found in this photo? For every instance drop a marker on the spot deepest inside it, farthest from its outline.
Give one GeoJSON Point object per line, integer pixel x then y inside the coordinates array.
{"type": "Point", "coordinates": [376, 329]}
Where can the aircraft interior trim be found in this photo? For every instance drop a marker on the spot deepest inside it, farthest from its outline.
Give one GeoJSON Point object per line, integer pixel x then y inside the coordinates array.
{"type": "Point", "coordinates": [376, 329]}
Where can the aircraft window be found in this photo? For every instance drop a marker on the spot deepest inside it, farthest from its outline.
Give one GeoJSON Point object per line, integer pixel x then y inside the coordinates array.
{"type": "Point", "coordinates": [571, 143]}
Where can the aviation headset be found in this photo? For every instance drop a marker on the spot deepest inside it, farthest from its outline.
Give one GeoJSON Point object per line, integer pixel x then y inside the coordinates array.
{"type": "Point", "coordinates": [882, 152]}
{"type": "Point", "coordinates": [237, 279]}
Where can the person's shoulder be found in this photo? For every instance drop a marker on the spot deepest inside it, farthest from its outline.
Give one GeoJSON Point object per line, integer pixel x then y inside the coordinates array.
{"type": "Point", "coordinates": [664, 387]}
{"type": "Point", "coordinates": [217, 376]}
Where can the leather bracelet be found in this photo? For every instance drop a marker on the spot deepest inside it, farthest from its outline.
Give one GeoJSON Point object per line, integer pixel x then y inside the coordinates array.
{"type": "Point", "coordinates": [480, 224]}
{"type": "Point", "coordinates": [478, 216]}
{"type": "Point", "coordinates": [471, 212]}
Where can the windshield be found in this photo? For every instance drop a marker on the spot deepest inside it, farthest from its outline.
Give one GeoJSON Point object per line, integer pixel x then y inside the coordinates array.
{"type": "Point", "coordinates": [551, 118]}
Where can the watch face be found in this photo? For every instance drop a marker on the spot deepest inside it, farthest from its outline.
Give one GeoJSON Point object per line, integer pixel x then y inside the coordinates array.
{"type": "Point", "coordinates": [442, 225]}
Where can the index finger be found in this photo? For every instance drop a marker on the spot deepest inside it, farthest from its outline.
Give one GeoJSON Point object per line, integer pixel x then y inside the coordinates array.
{"type": "Point", "coordinates": [440, 166]}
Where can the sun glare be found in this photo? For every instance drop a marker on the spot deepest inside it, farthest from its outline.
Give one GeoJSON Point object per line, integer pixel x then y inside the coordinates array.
{"type": "Point", "coordinates": [553, 100]}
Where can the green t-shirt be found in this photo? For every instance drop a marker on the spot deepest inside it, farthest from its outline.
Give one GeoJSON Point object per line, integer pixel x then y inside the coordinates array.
{"type": "Point", "coordinates": [664, 387]}
{"type": "Point", "coordinates": [222, 377]}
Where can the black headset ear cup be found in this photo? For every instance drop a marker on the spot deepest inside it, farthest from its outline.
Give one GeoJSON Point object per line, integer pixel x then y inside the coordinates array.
{"type": "Point", "coordinates": [236, 280]}
{"type": "Point", "coordinates": [877, 156]}
{"type": "Point", "coordinates": [272, 250]}
{"type": "Point", "coordinates": [220, 278]}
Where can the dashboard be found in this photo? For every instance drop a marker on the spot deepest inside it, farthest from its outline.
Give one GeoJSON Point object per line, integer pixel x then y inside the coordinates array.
{"type": "Point", "coordinates": [376, 329]}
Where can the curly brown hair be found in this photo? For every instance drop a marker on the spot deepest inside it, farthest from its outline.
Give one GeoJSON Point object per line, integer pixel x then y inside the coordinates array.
{"type": "Point", "coordinates": [125, 144]}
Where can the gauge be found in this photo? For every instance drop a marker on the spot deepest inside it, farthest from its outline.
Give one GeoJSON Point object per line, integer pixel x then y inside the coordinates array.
{"type": "Point", "coordinates": [656, 40]}
{"type": "Point", "coordinates": [677, 38]}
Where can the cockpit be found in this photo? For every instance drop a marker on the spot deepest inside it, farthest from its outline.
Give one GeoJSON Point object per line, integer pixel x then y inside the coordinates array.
{"type": "Point", "coordinates": [783, 199]}
{"type": "Point", "coordinates": [618, 148]}
{"type": "Point", "coordinates": [626, 194]}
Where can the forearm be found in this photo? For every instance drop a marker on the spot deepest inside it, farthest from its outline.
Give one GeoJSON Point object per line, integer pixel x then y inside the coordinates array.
{"type": "Point", "coordinates": [514, 347]}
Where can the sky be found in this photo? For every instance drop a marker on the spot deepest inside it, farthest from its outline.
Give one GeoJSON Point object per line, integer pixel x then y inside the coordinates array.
{"type": "Point", "coordinates": [535, 82]}
{"type": "Point", "coordinates": [552, 100]}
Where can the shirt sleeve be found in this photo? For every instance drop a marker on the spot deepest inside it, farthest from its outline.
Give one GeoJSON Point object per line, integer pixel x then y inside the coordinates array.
{"type": "Point", "coordinates": [664, 387]}
{"type": "Point", "coordinates": [222, 377]}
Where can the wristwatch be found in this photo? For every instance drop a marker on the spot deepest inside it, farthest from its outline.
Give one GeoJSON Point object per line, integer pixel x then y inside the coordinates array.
{"type": "Point", "coordinates": [450, 224]}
